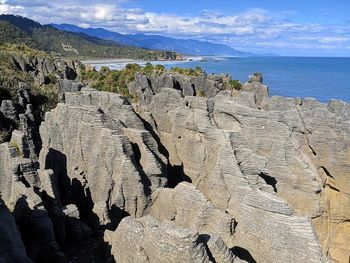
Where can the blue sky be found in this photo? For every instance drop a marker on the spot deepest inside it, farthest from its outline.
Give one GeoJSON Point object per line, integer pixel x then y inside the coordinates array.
{"type": "Point", "coordinates": [303, 28]}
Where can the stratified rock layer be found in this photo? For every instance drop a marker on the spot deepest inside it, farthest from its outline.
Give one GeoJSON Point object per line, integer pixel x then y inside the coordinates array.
{"type": "Point", "coordinates": [277, 159]}
{"type": "Point", "coordinates": [104, 159]}
{"type": "Point", "coordinates": [227, 176]}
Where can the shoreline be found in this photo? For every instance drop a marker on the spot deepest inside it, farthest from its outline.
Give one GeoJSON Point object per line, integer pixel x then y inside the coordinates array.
{"type": "Point", "coordinates": [110, 60]}
{"type": "Point", "coordinates": [126, 60]}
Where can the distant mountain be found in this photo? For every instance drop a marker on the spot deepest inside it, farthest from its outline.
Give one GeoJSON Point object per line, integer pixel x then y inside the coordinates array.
{"type": "Point", "coordinates": [21, 30]}
{"type": "Point", "coordinates": [183, 46]}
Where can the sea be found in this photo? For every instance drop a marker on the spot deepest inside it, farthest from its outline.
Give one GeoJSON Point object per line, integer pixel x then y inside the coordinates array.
{"type": "Point", "coordinates": [318, 77]}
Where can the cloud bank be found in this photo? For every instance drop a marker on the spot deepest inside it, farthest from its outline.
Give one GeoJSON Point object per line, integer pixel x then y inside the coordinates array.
{"type": "Point", "coordinates": [255, 30]}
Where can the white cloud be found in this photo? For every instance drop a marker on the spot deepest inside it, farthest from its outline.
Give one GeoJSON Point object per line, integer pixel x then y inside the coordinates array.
{"type": "Point", "coordinates": [248, 30]}
{"type": "Point", "coordinates": [334, 39]}
{"type": "Point", "coordinates": [7, 8]}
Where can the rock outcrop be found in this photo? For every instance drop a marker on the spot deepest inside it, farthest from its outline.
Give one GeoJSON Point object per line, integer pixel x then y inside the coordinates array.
{"type": "Point", "coordinates": [277, 156]}
{"type": "Point", "coordinates": [192, 171]}
{"type": "Point", "coordinates": [114, 165]}
{"type": "Point", "coordinates": [12, 249]}
{"type": "Point", "coordinates": [40, 68]}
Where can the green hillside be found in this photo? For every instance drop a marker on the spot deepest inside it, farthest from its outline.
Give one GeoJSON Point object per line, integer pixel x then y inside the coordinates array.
{"type": "Point", "coordinates": [20, 30]}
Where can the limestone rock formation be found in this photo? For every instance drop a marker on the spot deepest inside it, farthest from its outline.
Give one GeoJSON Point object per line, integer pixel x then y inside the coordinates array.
{"type": "Point", "coordinates": [41, 67]}
{"type": "Point", "coordinates": [148, 240]}
{"type": "Point", "coordinates": [274, 156]}
{"type": "Point", "coordinates": [114, 165]}
{"type": "Point", "coordinates": [12, 249]}
{"type": "Point", "coordinates": [232, 176]}
{"type": "Point", "coordinates": [187, 207]}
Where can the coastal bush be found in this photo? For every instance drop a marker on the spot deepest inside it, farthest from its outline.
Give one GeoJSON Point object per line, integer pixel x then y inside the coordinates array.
{"type": "Point", "coordinates": [52, 78]}
{"type": "Point", "coordinates": [256, 77]}
{"type": "Point", "coordinates": [197, 71]}
{"type": "Point", "coordinates": [45, 97]}
{"type": "Point", "coordinates": [159, 68]}
{"type": "Point", "coordinates": [235, 84]}
{"type": "Point", "coordinates": [4, 136]}
{"type": "Point", "coordinates": [113, 80]}
{"type": "Point", "coordinates": [202, 93]}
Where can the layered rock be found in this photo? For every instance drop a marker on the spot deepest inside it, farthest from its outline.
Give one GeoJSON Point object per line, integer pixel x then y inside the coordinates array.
{"type": "Point", "coordinates": [20, 191]}
{"type": "Point", "coordinates": [192, 172]}
{"type": "Point", "coordinates": [252, 153]}
{"type": "Point", "coordinates": [40, 68]}
{"type": "Point", "coordinates": [149, 240]}
{"type": "Point", "coordinates": [187, 207]}
{"type": "Point", "coordinates": [105, 161]}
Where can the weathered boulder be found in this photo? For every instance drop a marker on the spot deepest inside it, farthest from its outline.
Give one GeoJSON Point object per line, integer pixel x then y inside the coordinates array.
{"type": "Point", "coordinates": [256, 77]}
{"type": "Point", "coordinates": [10, 112]}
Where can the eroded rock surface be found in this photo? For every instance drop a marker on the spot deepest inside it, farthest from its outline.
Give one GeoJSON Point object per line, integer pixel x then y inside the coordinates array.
{"type": "Point", "coordinates": [192, 172]}
{"type": "Point", "coordinates": [114, 165]}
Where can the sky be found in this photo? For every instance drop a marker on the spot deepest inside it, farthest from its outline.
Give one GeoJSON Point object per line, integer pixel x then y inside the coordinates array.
{"type": "Point", "coordinates": [283, 27]}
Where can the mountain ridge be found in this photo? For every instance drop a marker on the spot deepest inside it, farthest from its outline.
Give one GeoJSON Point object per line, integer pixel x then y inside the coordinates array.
{"type": "Point", "coordinates": [159, 42]}
{"type": "Point", "coordinates": [22, 30]}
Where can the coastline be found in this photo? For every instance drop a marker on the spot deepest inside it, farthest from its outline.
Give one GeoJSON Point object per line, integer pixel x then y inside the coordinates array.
{"type": "Point", "coordinates": [111, 60]}
{"type": "Point", "coordinates": [118, 64]}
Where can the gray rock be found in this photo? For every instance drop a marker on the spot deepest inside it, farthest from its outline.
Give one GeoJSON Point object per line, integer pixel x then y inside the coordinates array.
{"type": "Point", "coordinates": [187, 207]}
{"type": "Point", "coordinates": [10, 111]}
{"type": "Point", "coordinates": [115, 160]}
{"type": "Point", "coordinates": [12, 249]}
{"type": "Point", "coordinates": [247, 148]}
{"type": "Point", "coordinates": [256, 77]}
{"type": "Point", "coordinates": [148, 240]}
{"type": "Point", "coordinates": [67, 85]}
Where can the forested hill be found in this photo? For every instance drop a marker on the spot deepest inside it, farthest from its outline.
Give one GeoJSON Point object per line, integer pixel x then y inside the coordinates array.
{"type": "Point", "coordinates": [21, 30]}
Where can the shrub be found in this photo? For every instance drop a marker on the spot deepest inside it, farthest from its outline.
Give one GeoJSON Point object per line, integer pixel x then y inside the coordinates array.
{"type": "Point", "coordinates": [202, 93]}
{"type": "Point", "coordinates": [4, 136]}
{"type": "Point", "coordinates": [52, 77]}
{"type": "Point", "coordinates": [235, 84]}
{"type": "Point", "coordinates": [159, 68]}
{"type": "Point", "coordinates": [104, 70]}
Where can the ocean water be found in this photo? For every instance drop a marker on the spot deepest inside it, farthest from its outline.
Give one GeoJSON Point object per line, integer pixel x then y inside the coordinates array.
{"type": "Point", "coordinates": [321, 78]}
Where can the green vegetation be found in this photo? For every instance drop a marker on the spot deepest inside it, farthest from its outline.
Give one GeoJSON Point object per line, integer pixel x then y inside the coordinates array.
{"type": "Point", "coordinates": [117, 80]}
{"type": "Point", "coordinates": [197, 71]}
{"type": "Point", "coordinates": [202, 93]}
{"type": "Point", "coordinates": [20, 30]}
{"type": "Point", "coordinates": [4, 136]}
{"type": "Point", "coordinates": [45, 96]}
{"type": "Point", "coordinates": [111, 80]}
{"type": "Point", "coordinates": [257, 76]}
{"type": "Point", "coordinates": [235, 84]}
